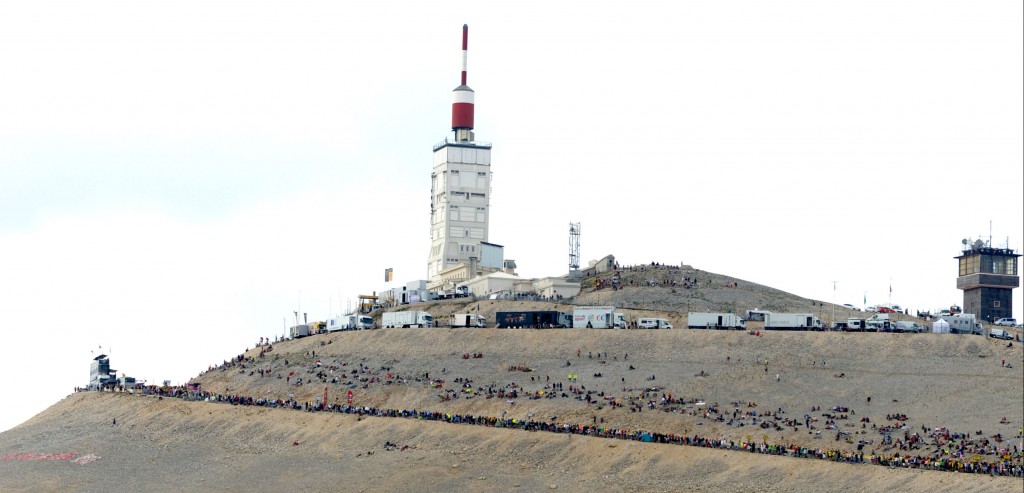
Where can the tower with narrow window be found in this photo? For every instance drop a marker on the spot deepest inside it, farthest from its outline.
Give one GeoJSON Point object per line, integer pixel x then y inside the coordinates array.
{"type": "Point", "coordinates": [460, 186]}
{"type": "Point", "coordinates": [988, 277]}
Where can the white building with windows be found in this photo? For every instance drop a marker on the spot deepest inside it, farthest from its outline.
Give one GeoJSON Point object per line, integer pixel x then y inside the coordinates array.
{"type": "Point", "coordinates": [460, 203]}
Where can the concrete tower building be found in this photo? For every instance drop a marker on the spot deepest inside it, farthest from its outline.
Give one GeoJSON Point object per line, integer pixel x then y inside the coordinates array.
{"type": "Point", "coordinates": [460, 186]}
{"type": "Point", "coordinates": [988, 277]}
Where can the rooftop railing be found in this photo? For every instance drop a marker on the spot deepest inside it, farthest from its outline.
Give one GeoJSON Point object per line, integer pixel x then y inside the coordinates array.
{"type": "Point", "coordinates": [461, 143]}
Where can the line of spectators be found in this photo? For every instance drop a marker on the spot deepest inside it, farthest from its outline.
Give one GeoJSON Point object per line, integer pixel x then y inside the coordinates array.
{"type": "Point", "coordinates": [1009, 465]}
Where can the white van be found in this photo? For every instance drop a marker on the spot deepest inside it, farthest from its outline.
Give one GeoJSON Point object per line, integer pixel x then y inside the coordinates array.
{"type": "Point", "coordinates": [1006, 322]}
{"type": "Point", "coordinates": [653, 323]}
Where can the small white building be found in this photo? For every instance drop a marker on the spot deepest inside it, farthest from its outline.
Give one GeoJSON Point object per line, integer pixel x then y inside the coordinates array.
{"type": "Point", "coordinates": [496, 283]}
{"type": "Point", "coordinates": [556, 287]}
{"type": "Point", "coordinates": [598, 267]}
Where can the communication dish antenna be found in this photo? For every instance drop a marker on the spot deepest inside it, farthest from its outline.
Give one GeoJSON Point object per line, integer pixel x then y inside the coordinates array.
{"type": "Point", "coordinates": [963, 242]}
{"type": "Point", "coordinates": [978, 243]}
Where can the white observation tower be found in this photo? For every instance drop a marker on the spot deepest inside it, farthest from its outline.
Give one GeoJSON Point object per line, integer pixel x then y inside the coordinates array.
{"type": "Point", "coordinates": [460, 186]}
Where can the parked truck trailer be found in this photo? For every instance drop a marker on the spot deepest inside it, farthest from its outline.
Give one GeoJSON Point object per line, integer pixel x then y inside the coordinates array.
{"type": "Point", "coordinates": [535, 319]}
{"type": "Point", "coordinates": [791, 321]}
{"type": "Point", "coordinates": [466, 320]}
{"type": "Point", "coordinates": [963, 323]}
{"type": "Point", "coordinates": [350, 322]}
{"type": "Point", "coordinates": [715, 321]}
{"type": "Point", "coordinates": [298, 331]}
{"type": "Point", "coordinates": [597, 317]}
{"type": "Point", "coordinates": [406, 319]}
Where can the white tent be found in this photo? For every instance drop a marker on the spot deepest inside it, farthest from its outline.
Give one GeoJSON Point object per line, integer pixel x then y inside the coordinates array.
{"type": "Point", "coordinates": [940, 326]}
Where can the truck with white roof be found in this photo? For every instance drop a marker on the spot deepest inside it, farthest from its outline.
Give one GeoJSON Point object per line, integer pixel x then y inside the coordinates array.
{"type": "Point", "coordinates": [653, 323]}
{"type": "Point", "coordinates": [350, 322]}
{"type": "Point", "coordinates": [297, 331]}
{"type": "Point", "coordinates": [696, 320]}
{"type": "Point", "coordinates": [597, 317]}
{"type": "Point", "coordinates": [405, 319]}
{"type": "Point", "coordinates": [792, 321]}
{"type": "Point", "coordinates": [962, 323]}
{"type": "Point", "coordinates": [466, 320]}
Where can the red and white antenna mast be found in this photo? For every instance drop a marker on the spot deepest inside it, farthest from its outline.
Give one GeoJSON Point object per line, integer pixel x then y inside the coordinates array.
{"type": "Point", "coordinates": [462, 106]}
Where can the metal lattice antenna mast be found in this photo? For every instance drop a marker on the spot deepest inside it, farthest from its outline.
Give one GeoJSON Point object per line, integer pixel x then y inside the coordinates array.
{"type": "Point", "coordinates": [574, 247]}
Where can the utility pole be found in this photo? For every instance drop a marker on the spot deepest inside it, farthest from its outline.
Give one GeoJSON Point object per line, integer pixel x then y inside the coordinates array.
{"type": "Point", "coordinates": [833, 322]}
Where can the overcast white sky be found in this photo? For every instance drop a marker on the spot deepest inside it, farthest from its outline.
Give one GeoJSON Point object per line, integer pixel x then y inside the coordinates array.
{"type": "Point", "coordinates": [177, 178]}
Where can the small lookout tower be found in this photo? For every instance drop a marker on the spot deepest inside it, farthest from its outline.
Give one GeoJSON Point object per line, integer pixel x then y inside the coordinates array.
{"type": "Point", "coordinates": [100, 373]}
{"type": "Point", "coordinates": [987, 277]}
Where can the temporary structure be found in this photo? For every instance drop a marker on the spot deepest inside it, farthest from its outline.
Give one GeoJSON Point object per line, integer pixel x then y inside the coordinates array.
{"type": "Point", "coordinates": [940, 326]}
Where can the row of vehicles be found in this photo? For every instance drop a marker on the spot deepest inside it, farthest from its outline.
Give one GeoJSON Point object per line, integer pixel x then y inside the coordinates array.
{"type": "Point", "coordinates": [591, 317]}
{"type": "Point", "coordinates": [343, 322]}
{"type": "Point", "coordinates": [772, 321]}
{"type": "Point", "coordinates": [956, 323]}
{"type": "Point", "coordinates": [582, 317]}
{"type": "Point", "coordinates": [605, 317]}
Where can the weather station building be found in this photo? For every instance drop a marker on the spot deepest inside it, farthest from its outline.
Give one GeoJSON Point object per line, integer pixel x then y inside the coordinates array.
{"type": "Point", "coordinates": [988, 277]}
{"type": "Point", "coordinates": [102, 376]}
{"type": "Point", "coordinates": [100, 373]}
{"type": "Point", "coordinates": [460, 188]}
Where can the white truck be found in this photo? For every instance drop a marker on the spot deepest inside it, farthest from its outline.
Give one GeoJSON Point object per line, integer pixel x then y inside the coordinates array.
{"type": "Point", "coordinates": [453, 292]}
{"type": "Point", "coordinates": [298, 331]}
{"type": "Point", "coordinates": [406, 319]}
{"type": "Point", "coordinates": [906, 326]}
{"type": "Point", "coordinates": [350, 322]}
{"type": "Point", "coordinates": [653, 323]}
{"type": "Point", "coordinates": [962, 323]}
{"type": "Point", "coordinates": [597, 317]}
{"type": "Point", "coordinates": [715, 321]}
{"type": "Point", "coordinates": [792, 321]}
{"type": "Point", "coordinates": [466, 320]}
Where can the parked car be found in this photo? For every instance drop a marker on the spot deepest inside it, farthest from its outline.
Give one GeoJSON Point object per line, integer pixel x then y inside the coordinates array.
{"type": "Point", "coordinates": [1007, 322]}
